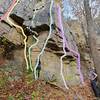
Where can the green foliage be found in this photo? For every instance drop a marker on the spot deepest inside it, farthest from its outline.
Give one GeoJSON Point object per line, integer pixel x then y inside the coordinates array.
{"type": "Point", "coordinates": [34, 94]}
{"type": "Point", "coordinates": [73, 63]}
{"type": "Point", "coordinates": [3, 41]}
{"type": "Point", "coordinates": [39, 0]}
{"type": "Point", "coordinates": [20, 96]}
{"type": "Point", "coordinates": [11, 98]}
{"type": "Point", "coordinates": [29, 71]}
{"type": "Point", "coordinates": [29, 77]}
{"type": "Point", "coordinates": [3, 80]}
{"type": "Point", "coordinates": [69, 77]}
{"type": "Point", "coordinates": [42, 98]}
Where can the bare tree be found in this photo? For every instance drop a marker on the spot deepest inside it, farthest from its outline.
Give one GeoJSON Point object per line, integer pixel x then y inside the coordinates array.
{"type": "Point", "coordinates": [92, 37]}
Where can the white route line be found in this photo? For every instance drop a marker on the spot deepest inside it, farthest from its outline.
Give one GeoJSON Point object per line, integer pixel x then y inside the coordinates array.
{"type": "Point", "coordinates": [61, 60]}
{"type": "Point", "coordinates": [61, 70]}
{"type": "Point", "coordinates": [64, 44]}
{"type": "Point", "coordinates": [50, 32]}
{"type": "Point", "coordinates": [25, 37]}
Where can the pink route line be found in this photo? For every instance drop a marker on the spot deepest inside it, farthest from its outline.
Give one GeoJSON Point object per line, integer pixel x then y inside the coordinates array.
{"type": "Point", "coordinates": [7, 12]}
{"type": "Point", "coordinates": [65, 44]}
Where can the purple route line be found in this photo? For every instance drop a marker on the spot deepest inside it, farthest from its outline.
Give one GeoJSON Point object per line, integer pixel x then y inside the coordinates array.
{"type": "Point", "coordinates": [65, 44]}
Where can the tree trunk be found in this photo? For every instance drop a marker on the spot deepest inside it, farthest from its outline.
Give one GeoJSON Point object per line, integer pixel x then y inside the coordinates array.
{"type": "Point", "coordinates": [92, 38]}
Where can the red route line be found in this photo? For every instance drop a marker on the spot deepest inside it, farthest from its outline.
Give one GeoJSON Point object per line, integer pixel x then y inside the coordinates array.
{"type": "Point", "coordinates": [5, 15]}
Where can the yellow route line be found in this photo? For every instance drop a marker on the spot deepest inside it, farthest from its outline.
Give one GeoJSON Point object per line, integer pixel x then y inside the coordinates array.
{"type": "Point", "coordinates": [17, 26]}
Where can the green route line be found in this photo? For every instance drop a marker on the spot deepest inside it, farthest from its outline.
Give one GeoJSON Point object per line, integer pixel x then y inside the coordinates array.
{"type": "Point", "coordinates": [29, 51]}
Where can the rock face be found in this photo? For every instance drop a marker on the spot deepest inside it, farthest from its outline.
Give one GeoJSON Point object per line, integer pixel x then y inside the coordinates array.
{"type": "Point", "coordinates": [51, 65]}
{"type": "Point", "coordinates": [4, 28]}
{"type": "Point", "coordinates": [14, 36]}
{"type": "Point", "coordinates": [34, 8]}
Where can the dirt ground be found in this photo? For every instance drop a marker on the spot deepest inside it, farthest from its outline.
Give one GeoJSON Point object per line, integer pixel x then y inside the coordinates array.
{"type": "Point", "coordinates": [40, 90]}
